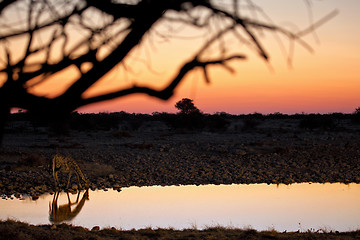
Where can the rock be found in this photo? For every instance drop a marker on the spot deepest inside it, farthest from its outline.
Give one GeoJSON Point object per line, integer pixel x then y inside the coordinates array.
{"type": "Point", "coordinates": [95, 228]}
{"type": "Point", "coordinates": [241, 152]}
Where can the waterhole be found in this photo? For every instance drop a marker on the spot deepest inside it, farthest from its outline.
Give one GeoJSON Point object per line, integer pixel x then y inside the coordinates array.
{"type": "Point", "coordinates": [303, 207]}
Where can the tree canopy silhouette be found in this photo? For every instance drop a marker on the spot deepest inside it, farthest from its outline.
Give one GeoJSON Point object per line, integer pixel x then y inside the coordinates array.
{"type": "Point", "coordinates": [186, 106]}
{"type": "Point", "coordinates": [41, 39]}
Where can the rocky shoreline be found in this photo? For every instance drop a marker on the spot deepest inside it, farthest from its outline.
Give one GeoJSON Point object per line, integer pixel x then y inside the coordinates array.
{"type": "Point", "coordinates": [276, 151]}
{"type": "Point", "coordinates": [18, 230]}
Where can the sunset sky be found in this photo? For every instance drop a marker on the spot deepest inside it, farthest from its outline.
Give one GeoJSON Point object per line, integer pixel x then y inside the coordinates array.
{"type": "Point", "coordinates": [326, 80]}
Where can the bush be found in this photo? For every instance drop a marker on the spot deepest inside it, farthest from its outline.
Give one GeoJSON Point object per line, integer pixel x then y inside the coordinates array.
{"type": "Point", "coordinates": [215, 122]}
{"type": "Point", "coordinates": [313, 121]}
{"type": "Point", "coordinates": [250, 124]}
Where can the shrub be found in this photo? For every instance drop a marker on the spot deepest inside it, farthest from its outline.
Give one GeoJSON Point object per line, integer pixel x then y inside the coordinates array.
{"type": "Point", "coordinates": [250, 124]}
{"type": "Point", "coordinates": [313, 121]}
{"type": "Point", "coordinates": [216, 122]}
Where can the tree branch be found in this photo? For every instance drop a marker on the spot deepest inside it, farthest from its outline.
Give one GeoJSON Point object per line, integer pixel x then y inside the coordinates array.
{"type": "Point", "coordinates": [166, 92]}
{"type": "Point", "coordinates": [139, 28]}
{"type": "Point", "coordinates": [49, 23]}
{"type": "Point", "coordinates": [139, 18]}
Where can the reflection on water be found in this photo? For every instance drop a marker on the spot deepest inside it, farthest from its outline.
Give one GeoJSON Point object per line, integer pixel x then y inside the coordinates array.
{"type": "Point", "coordinates": [259, 206]}
{"type": "Point", "coordinates": [66, 212]}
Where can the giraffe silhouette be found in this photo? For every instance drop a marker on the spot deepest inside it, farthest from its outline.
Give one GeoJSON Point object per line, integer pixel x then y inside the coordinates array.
{"type": "Point", "coordinates": [62, 213]}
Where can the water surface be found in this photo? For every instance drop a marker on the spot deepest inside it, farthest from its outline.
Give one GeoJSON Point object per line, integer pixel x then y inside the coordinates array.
{"type": "Point", "coordinates": [259, 206]}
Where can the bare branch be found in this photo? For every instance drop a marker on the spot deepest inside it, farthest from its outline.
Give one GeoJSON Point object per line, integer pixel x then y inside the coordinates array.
{"type": "Point", "coordinates": [60, 21]}
{"type": "Point", "coordinates": [317, 24]}
{"type": "Point", "coordinates": [167, 91]}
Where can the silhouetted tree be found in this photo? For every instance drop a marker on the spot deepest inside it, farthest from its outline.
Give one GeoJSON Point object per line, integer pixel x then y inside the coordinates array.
{"type": "Point", "coordinates": [40, 39]}
{"type": "Point", "coordinates": [357, 111]}
{"type": "Point", "coordinates": [356, 115]}
{"type": "Point", "coordinates": [186, 106]}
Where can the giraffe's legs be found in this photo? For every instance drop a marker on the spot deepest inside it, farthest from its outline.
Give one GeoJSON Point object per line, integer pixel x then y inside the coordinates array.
{"type": "Point", "coordinates": [78, 178]}
{"type": "Point", "coordinates": [56, 180]}
{"type": "Point", "coordinates": [67, 186]}
{"type": "Point", "coordinates": [57, 196]}
{"type": "Point", "coordinates": [77, 199]}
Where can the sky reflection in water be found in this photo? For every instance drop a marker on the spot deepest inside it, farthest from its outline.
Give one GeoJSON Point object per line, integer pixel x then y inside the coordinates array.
{"type": "Point", "coordinates": [259, 206]}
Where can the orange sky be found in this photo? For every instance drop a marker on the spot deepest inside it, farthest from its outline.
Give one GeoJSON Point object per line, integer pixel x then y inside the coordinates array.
{"type": "Point", "coordinates": [327, 80]}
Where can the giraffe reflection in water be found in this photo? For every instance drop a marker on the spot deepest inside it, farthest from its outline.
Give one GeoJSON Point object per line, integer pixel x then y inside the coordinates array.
{"type": "Point", "coordinates": [66, 212]}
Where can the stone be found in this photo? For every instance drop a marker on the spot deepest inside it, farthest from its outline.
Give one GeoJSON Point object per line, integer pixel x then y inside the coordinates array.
{"type": "Point", "coordinates": [95, 228]}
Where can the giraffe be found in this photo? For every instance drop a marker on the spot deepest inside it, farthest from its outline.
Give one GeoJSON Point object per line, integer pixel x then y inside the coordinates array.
{"type": "Point", "coordinates": [67, 165]}
{"type": "Point", "coordinates": [61, 213]}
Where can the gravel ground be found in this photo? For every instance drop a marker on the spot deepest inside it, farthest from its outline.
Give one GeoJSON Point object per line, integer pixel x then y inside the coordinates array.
{"type": "Point", "coordinates": [275, 151]}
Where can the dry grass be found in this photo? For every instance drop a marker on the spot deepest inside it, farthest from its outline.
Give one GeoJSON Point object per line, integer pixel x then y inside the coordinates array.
{"type": "Point", "coordinates": [17, 230]}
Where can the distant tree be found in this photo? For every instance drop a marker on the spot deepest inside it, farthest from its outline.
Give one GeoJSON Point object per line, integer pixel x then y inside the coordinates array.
{"type": "Point", "coordinates": [40, 39]}
{"type": "Point", "coordinates": [186, 106]}
{"type": "Point", "coordinates": [356, 115]}
{"type": "Point", "coordinates": [357, 111]}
